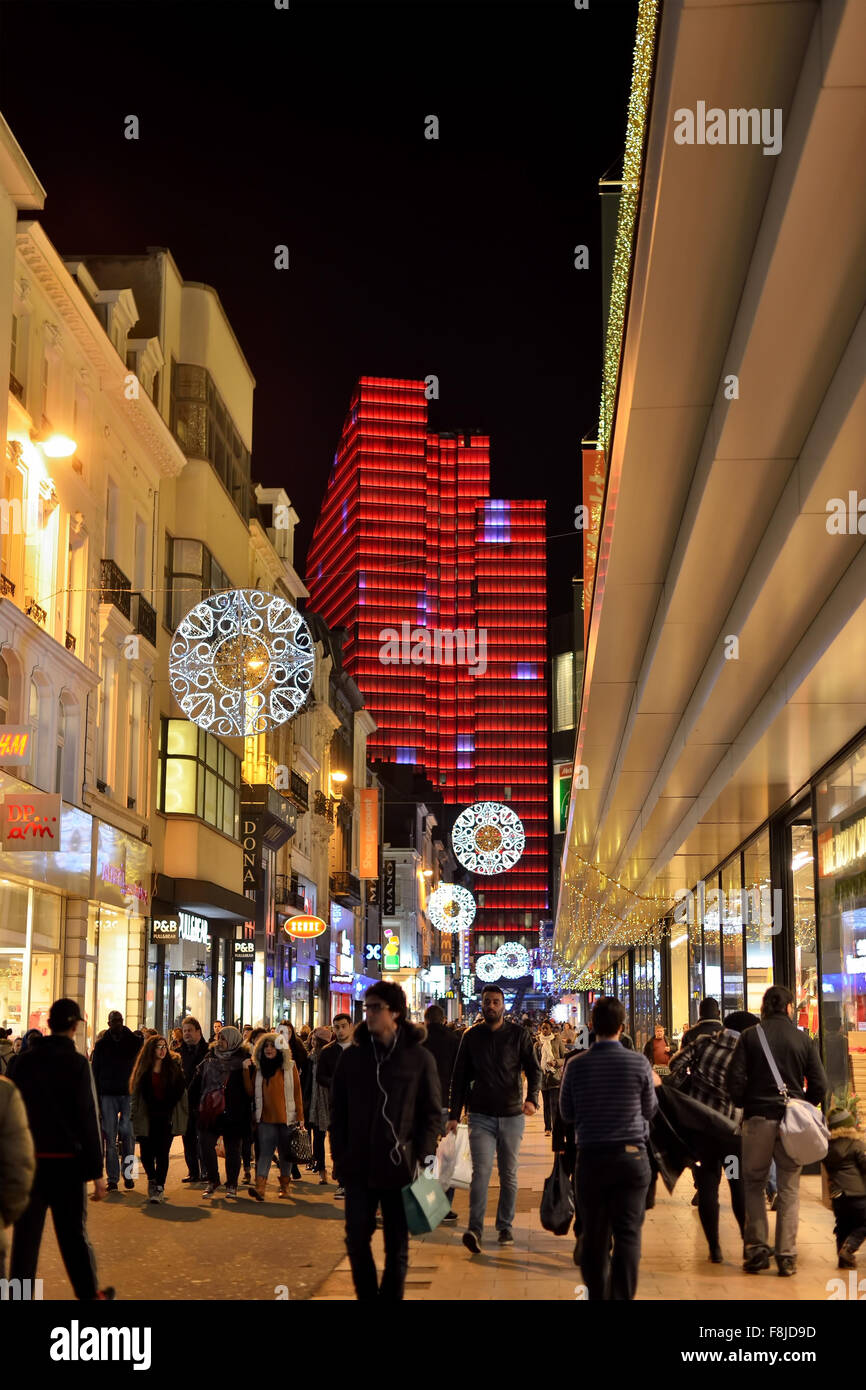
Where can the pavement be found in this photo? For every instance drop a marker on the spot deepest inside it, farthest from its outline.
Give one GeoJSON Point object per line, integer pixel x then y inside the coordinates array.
{"type": "Point", "coordinates": [674, 1263]}
{"type": "Point", "coordinates": [241, 1250]}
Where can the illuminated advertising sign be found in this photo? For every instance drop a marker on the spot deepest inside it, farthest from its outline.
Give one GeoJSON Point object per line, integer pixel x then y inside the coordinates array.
{"type": "Point", "coordinates": [165, 930]}
{"type": "Point", "coordinates": [305, 926]}
{"type": "Point", "coordinates": [368, 866]}
{"type": "Point", "coordinates": [562, 777]}
{"type": "Point", "coordinates": [14, 743]}
{"type": "Point", "coordinates": [244, 950]}
{"type": "Point", "coordinates": [391, 958]}
{"type": "Point", "coordinates": [31, 821]}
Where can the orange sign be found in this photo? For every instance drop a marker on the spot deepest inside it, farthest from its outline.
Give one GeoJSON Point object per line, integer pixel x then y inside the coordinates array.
{"type": "Point", "coordinates": [14, 743]}
{"type": "Point", "coordinates": [31, 822]}
{"type": "Point", "coordinates": [304, 926]}
{"type": "Point", "coordinates": [593, 499]}
{"type": "Point", "coordinates": [368, 853]}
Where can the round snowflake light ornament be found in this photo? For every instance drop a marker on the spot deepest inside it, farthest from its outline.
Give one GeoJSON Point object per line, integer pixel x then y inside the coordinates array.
{"type": "Point", "coordinates": [488, 968]}
{"type": "Point", "coordinates": [451, 908]}
{"type": "Point", "coordinates": [488, 838]}
{"type": "Point", "coordinates": [514, 962]}
{"type": "Point", "coordinates": [241, 662]}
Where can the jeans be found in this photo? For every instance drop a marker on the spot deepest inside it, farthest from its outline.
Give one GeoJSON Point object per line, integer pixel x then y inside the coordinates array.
{"type": "Point", "coordinates": [59, 1189]}
{"type": "Point", "coordinates": [272, 1137]}
{"type": "Point", "coordinates": [361, 1205]}
{"type": "Point", "coordinates": [708, 1175]}
{"type": "Point", "coordinates": [489, 1136]}
{"type": "Point", "coordinates": [192, 1151]}
{"type": "Point", "coordinates": [232, 1144]}
{"type": "Point", "coordinates": [155, 1148]}
{"type": "Point", "coordinates": [761, 1144]}
{"type": "Point", "coordinates": [611, 1185]}
{"type": "Point", "coordinates": [110, 1107]}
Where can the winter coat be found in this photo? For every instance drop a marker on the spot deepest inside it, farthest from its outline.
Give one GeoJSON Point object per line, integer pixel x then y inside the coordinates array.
{"type": "Point", "coordinates": [550, 1079]}
{"type": "Point", "coordinates": [488, 1071]}
{"type": "Point", "coordinates": [750, 1080]}
{"type": "Point", "coordinates": [191, 1054]}
{"type": "Point", "coordinates": [700, 1030]}
{"type": "Point", "coordinates": [684, 1129]}
{"type": "Point", "coordinates": [113, 1062]}
{"type": "Point", "coordinates": [328, 1059]}
{"type": "Point", "coordinates": [175, 1103]}
{"type": "Point", "coordinates": [846, 1163]}
{"type": "Point", "coordinates": [368, 1129]}
{"type": "Point", "coordinates": [236, 1119]}
{"type": "Point", "coordinates": [319, 1112]}
{"type": "Point", "coordinates": [444, 1046]}
{"type": "Point", "coordinates": [56, 1085]}
{"type": "Point", "coordinates": [17, 1161]}
{"type": "Point", "coordinates": [254, 1082]}
{"type": "Point", "coordinates": [6, 1051]}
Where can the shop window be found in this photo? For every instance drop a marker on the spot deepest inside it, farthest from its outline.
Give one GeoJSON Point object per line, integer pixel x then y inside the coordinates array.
{"type": "Point", "coordinates": [759, 924]}
{"type": "Point", "coordinates": [841, 806]}
{"type": "Point", "coordinates": [733, 991]}
{"type": "Point", "coordinates": [112, 965]}
{"type": "Point", "coordinates": [199, 776]}
{"type": "Point", "coordinates": [712, 938]}
{"type": "Point", "coordinates": [191, 574]}
{"type": "Point", "coordinates": [66, 750]}
{"type": "Point", "coordinates": [801, 865]}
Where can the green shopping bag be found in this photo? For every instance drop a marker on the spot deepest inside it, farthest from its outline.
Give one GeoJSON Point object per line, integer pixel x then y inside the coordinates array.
{"type": "Point", "coordinates": [425, 1204]}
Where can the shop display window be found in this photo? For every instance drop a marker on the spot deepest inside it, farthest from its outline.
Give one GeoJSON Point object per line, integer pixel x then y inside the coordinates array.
{"type": "Point", "coordinates": [112, 965]}
{"type": "Point", "coordinates": [801, 864]}
{"type": "Point", "coordinates": [759, 927]}
{"type": "Point", "coordinates": [733, 991]}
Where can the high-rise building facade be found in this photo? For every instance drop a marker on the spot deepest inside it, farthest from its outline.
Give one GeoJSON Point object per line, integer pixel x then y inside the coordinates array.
{"type": "Point", "coordinates": [442, 591]}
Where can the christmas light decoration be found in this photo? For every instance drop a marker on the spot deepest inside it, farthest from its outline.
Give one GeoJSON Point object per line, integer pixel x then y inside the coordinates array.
{"type": "Point", "coordinates": [488, 838]}
{"type": "Point", "coordinates": [509, 962]}
{"type": "Point", "coordinates": [241, 662]}
{"type": "Point", "coordinates": [451, 908]}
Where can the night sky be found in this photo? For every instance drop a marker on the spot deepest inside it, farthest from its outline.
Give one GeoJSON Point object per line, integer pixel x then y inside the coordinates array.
{"type": "Point", "coordinates": [408, 256]}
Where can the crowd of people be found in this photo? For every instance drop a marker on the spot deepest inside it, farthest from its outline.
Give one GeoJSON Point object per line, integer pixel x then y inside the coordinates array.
{"type": "Point", "coordinates": [384, 1092]}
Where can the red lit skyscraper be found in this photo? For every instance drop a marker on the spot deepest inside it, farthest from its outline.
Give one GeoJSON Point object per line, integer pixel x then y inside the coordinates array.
{"type": "Point", "coordinates": [442, 591]}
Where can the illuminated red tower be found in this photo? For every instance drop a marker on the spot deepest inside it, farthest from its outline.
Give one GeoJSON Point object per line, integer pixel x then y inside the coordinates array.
{"type": "Point", "coordinates": [408, 545]}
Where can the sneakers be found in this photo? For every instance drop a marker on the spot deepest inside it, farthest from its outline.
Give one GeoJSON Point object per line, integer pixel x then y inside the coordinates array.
{"type": "Point", "coordinates": [129, 1184]}
{"type": "Point", "coordinates": [231, 1191]}
{"type": "Point", "coordinates": [112, 1187]}
{"type": "Point", "coordinates": [472, 1241]}
{"type": "Point", "coordinates": [505, 1238]}
{"type": "Point", "coordinates": [247, 1176]}
{"type": "Point", "coordinates": [160, 1194]}
{"type": "Point", "coordinates": [209, 1190]}
{"type": "Point", "coordinates": [190, 1180]}
{"type": "Point", "coordinates": [787, 1265]}
{"type": "Point", "coordinates": [758, 1260]}
{"type": "Point", "coordinates": [340, 1192]}
{"type": "Point", "coordinates": [152, 1192]}
{"type": "Point", "coordinates": [450, 1217]}
{"type": "Point", "coordinates": [105, 1295]}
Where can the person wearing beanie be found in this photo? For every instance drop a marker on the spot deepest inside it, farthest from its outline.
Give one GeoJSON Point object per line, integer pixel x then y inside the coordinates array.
{"type": "Point", "coordinates": [272, 1083]}
{"type": "Point", "coordinates": [845, 1165]}
{"type": "Point", "coordinates": [223, 1106]}
{"type": "Point", "coordinates": [56, 1085]}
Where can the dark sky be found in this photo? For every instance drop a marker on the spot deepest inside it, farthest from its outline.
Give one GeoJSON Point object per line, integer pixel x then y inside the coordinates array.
{"type": "Point", "coordinates": [408, 256]}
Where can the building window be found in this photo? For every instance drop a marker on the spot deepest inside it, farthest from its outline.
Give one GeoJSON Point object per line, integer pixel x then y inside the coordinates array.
{"type": "Point", "coordinates": [4, 691]}
{"type": "Point", "coordinates": [191, 574]}
{"type": "Point", "coordinates": [198, 776]}
{"type": "Point", "coordinates": [204, 429]}
{"type": "Point", "coordinates": [563, 692]}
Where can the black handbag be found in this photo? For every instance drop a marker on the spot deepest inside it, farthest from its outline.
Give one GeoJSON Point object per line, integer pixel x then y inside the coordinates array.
{"type": "Point", "coordinates": [557, 1200]}
{"type": "Point", "coordinates": [300, 1147]}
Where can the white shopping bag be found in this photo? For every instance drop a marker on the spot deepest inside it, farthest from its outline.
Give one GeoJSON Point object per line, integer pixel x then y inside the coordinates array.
{"type": "Point", "coordinates": [455, 1160]}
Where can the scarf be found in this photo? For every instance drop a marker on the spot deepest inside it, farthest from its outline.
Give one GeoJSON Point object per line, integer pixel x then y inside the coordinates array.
{"type": "Point", "coordinates": [548, 1061]}
{"type": "Point", "coordinates": [221, 1062]}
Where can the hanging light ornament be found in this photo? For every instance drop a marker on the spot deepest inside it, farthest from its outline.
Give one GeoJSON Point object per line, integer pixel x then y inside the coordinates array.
{"type": "Point", "coordinates": [509, 962]}
{"type": "Point", "coordinates": [488, 969]}
{"type": "Point", "coordinates": [488, 838]}
{"type": "Point", "coordinates": [241, 662]}
{"type": "Point", "coordinates": [451, 908]}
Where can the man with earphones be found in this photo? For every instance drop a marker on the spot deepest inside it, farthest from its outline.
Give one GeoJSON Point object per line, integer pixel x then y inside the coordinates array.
{"type": "Point", "coordinates": [488, 1076]}
{"type": "Point", "coordinates": [385, 1119]}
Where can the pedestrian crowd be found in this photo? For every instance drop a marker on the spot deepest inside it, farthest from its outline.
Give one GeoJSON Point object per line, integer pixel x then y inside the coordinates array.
{"type": "Point", "coordinates": [724, 1097]}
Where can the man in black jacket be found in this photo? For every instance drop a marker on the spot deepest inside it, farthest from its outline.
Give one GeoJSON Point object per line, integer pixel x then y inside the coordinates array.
{"type": "Point", "coordinates": [193, 1050]}
{"type": "Point", "coordinates": [56, 1086]}
{"type": "Point", "coordinates": [328, 1059]}
{"type": "Point", "coordinates": [751, 1085]}
{"type": "Point", "coordinates": [385, 1114]}
{"type": "Point", "coordinates": [488, 1081]}
{"type": "Point", "coordinates": [444, 1046]}
{"type": "Point", "coordinates": [113, 1060]}
{"type": "Point", "coordinates": [709, 1022]}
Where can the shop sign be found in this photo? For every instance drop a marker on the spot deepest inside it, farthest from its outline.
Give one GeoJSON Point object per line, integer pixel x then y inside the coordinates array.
{"type": "Point", "coordinates": [304, 926]}
{"type": "Point", "coordinates": [342, 980]}
{"type": "Point", "coordinates": [373, 891]}
{"type": "Point", "coordinates": [345, 955]}
{"type": "Point", "coordinates": [31, 821]}
{"type": "Point", "coordinates": [391, 960]}
{"type": "Point", "coordinates": [244, 950]}
{"type": "Point", "coordinates": [122, 863]}
{"type": "Point", "coordinates": [252, 847]}
{"type": "Point", "coordinates": [14, 743]}
{"type": "Point", "coordinates": [389, 897]}
{"type": "Point", "coordinates": [562, 777]}
{"type": "Point", "coordinates": [368, 866]}
{"type": "Point", "coordinates": [165, 930]}
{"type": "Point", "coordinates": [193, 928]}
{"type": "Point", "coordinates": [843, 848]}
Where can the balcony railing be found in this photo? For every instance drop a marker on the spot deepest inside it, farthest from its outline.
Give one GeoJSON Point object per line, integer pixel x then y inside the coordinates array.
{"type": "Point", "coordinates": [324, 805]}
{"type": "Point", "coordinates": [345, 887]}
{"type": "Point", "coordinates": [33, 610]}
{"type": "Point", "coordinates": [115, 587]}
{"type": "Point", "coordinates": [299, 791]}
{"type": "Point", "coordinates": [286, 894]}
{"type": "Point", "coordinates": [144, 618]}
{"type": "Point", "coordinates": [70, 643]}
{"type": "Point", "coordinates": [6, 587]}
{"type": "Point", "coordinates": [16, 388]}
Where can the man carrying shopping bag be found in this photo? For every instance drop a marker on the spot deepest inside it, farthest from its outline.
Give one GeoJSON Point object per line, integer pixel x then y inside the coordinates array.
{"type": "Point", "coordinates": [385, 1120]}
{"type": "Point", "coordinates": [488, 1081]}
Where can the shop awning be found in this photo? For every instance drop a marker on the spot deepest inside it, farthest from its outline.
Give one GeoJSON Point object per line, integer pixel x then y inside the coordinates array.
{"type": "Point", "coordinates": [206, 899]}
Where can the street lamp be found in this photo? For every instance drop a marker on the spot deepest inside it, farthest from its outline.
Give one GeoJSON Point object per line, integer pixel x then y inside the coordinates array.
{"type": "Point", "coordinates": [53, 445]}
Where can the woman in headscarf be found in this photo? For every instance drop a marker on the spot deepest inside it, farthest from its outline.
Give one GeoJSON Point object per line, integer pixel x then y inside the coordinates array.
{"type": "Point", "coordinates": [223, 1107]}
